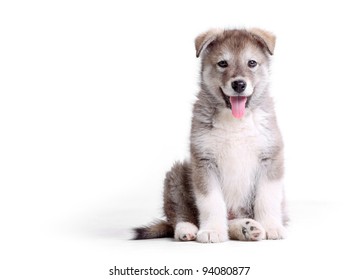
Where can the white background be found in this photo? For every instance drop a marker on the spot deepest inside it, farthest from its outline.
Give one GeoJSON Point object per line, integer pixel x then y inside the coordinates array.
{"type": "Point", "coordinates": [95, 106]}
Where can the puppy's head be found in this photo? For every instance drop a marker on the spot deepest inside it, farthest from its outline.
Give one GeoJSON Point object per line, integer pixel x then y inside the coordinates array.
{"type": "Point", "coordinates": [235, 65]}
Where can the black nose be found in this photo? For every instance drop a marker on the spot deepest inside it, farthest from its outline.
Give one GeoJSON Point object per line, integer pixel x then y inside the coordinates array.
{"type": "Point", "coordinates": [238, 86]}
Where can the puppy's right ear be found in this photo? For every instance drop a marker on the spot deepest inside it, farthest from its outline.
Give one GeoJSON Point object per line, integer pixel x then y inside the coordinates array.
{"type": "Point", "coordinates": [205, 39]}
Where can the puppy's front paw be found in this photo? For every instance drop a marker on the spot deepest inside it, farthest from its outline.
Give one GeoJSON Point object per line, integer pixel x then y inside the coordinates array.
{"type": "Point", "coordinates": [212, 236]}
{"type": "Point", "coordinates": [275, 231]}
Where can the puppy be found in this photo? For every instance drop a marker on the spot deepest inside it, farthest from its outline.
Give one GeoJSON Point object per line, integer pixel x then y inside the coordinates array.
{"type": "Point", "coordinates": [232, 185]}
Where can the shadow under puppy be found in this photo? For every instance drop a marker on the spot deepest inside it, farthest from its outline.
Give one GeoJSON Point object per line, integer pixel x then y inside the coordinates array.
{"type": "Point", "coordinates": [232, 185]}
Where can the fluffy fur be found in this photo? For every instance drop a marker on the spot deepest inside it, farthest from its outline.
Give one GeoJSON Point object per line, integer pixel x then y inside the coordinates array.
{"type": "Point", "coordinates": [232, 185]}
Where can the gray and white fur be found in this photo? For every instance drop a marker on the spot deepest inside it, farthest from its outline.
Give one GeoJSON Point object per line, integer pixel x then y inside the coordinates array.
{"type": "Point", "coordinates": [232, 185]}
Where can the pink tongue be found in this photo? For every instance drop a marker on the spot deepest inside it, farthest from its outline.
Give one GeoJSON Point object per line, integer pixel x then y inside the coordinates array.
{"type": "Point", "coordinates": [238, 105]}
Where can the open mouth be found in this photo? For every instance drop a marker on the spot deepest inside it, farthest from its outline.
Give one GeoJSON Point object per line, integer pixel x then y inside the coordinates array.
{"type": "Point", "coordinates": [237, 104]}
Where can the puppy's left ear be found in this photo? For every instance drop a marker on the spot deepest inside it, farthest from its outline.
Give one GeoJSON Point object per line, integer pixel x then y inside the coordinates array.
{"type": "Point", "coordinates": [266, 38]}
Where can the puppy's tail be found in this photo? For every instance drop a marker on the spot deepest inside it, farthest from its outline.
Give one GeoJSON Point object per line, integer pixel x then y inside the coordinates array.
{"type": "Point", "coordinates": [157, 229]}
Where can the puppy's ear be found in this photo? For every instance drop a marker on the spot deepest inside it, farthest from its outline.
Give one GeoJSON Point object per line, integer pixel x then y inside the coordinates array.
{"type": "Point", "coordinates": [204, 40]}
{"type": "Point", "coordinates": [266, 38]}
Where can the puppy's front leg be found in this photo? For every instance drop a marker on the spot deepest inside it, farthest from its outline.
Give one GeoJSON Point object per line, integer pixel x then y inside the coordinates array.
{"type": "Point", "coordinates": [268, 207]}
{"type": "Point", "coordinates": [212, 208]}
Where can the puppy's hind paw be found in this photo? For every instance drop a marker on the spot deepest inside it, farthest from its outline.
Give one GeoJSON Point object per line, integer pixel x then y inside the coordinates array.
{"type": "Point", "coordinates": [246, 230]}
{"type": "Point", "coordinates": [185, 231]}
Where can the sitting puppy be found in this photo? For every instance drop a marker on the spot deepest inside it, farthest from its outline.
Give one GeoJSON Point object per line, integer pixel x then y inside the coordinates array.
{"type": "Point", "coordinates": [232, 185]}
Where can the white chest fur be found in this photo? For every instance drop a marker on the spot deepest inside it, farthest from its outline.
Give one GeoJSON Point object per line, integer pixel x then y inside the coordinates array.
{"type": "Point", "coordinates": [236, 144]}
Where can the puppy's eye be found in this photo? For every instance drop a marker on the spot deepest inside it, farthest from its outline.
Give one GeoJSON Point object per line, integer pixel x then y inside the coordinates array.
{"type": "Point", "coordinates": [252, 63]}
{"type": "Point", "coordinates": [223, 64]}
